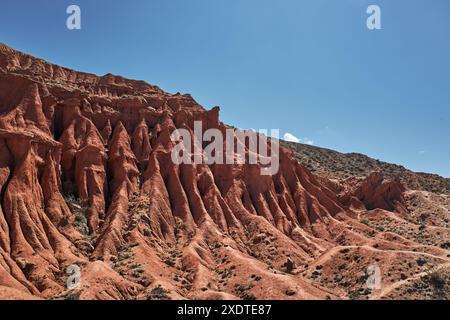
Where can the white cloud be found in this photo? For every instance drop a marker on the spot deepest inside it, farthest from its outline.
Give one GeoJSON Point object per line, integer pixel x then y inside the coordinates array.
{"type": "Point", "coordinates": [291, 138]}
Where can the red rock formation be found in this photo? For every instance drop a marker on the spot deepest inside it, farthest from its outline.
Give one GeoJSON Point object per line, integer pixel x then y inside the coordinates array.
{"type": "Point", "coordinates": [86, 177]}
{"type": "Point", "coordinates": [376, 192]}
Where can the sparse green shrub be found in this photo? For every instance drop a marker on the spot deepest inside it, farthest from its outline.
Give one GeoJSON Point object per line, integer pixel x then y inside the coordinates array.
{"type": "Point", "coordinates": [73, 295]}
{"type": "Point", "coordinates": [248, 296]}
{"type": "Point", "coordinates": [436, 279]}
{"type": "Point", "coordinates": [80, 209]}
{"type": "Point", "coordinates": [158, 293]}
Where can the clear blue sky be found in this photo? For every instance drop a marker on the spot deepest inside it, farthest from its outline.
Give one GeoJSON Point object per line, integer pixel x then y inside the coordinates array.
{"type": "Point", "coordinates": [307, 67]}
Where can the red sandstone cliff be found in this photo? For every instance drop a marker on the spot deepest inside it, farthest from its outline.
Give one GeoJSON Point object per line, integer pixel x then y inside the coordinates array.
{"type": "Point", "coordinates": [86, 178]}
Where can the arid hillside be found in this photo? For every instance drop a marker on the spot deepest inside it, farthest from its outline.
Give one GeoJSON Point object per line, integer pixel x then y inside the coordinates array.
{"type": "Point", "coordinates": [336, 165]}
{"type": "Point", "coordinates": [93, 207]}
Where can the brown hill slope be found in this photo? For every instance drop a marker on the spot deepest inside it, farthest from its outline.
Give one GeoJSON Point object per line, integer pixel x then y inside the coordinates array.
{"type": "Point", "coordinates": [87, 183]}
{"type": "Point", "coordinates": [336, 165]}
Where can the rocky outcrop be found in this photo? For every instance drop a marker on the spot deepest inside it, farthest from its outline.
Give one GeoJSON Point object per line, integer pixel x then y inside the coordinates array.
{"type": "Point", "coordinates": [87, 178]}
{"type": "Point", "coordinates": [376, 192]}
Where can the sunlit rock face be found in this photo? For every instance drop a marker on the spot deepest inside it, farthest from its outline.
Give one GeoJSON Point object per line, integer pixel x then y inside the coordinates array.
{"type": "Point", "coordinates": [87, 179]}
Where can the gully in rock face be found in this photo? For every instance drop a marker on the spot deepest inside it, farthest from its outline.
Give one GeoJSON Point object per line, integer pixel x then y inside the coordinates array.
{"type": "Point", "coordinates": [240, 147]}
